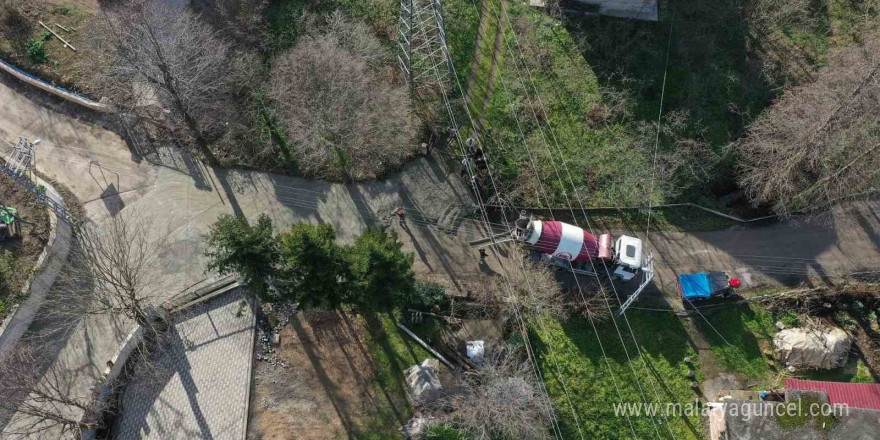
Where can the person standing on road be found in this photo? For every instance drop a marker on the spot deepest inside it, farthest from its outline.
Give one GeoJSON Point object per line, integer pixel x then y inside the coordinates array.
{"type": "Point", "coordinates": [401, 215]}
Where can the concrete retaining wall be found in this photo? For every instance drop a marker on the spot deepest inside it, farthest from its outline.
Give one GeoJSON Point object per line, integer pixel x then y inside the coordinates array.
{"type": "Point", "coordinates": [128, 346]}
{"type": "Point", "coordinates": [55, 90]}
{"type": "Point", "coordinates": [48, 265]}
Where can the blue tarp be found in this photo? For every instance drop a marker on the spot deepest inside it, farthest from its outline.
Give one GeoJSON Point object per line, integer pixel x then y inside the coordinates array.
{"type": "Point", "coordinates": [695, 285]}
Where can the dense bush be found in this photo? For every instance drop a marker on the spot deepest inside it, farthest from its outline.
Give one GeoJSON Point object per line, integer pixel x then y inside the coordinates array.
{"type": "Point", "coordinates": [340, 115]}
{"type": "Point", "coordinates": [313, 272]}
{"type": "Point", "coordinates": [381, 273]}
{"type": "Point", "coordinates": [306, 265]}
{"type": "Point", "coordinates": [427, 295]}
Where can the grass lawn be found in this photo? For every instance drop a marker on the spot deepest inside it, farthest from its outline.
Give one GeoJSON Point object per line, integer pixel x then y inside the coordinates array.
{"type": "Point", "coordinates": [462, 20]}
{"type": "Point", "coordinates": [749, 330]}
{"type": "Point", "coordinates": [570, 359]}
{"type": "Point", "coordinates": [569, 91]}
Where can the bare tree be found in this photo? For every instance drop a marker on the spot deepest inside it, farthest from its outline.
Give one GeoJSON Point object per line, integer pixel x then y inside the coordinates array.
{"type": "Point", "coordinates": [112, 270]}
{"type": "Point", "coordinates": [40, 402]}
{"type": "Point", "coordinates": [341, 118]}
{"type": "Point", "coordinates": [499, 399]}
{"type": "Point", "coordinates": [819, 144]}
{"type": "Point", "coordinates": [241, 21]}
{"type": "Point", "coordinates": [164, 64]}
{"type": "Point", "coordinates": [534, 291]}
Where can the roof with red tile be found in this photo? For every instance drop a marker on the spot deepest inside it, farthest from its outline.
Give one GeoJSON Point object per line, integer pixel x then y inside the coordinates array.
{"type": "Point", "coordinates": [855, 395]}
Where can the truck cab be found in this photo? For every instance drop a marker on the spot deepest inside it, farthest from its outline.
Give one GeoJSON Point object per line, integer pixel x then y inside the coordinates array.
{"type": "Point", "coordinates": [628, 253]}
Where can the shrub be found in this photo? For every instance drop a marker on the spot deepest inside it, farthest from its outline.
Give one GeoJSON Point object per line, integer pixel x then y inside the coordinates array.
{"type": "Point", "coordinates": [790, 319]}
{"type": "Point", "coordinates": [427, 295]}
{"type": "Point", "coordinates": [36, 50]}
{"type": "Point", "coordinates": [846, 321]}
{"type": "Point", "coordinates": [63, 10]}
{"type": "Point", "coordinates": [442, 432]}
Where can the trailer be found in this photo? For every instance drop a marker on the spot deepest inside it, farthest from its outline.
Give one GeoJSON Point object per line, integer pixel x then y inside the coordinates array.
{"type": "Point", "coordinates": [706, 285]}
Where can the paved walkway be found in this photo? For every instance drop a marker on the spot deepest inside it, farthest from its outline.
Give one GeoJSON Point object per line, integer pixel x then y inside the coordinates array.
{"type": "Point", "coordinates": [199, 389]}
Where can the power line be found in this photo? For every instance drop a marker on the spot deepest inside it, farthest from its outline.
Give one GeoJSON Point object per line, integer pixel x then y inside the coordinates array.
{"type": "Point", "coordinates": [537, 97]}
{"type": "Point", "coordinates": [438, 17]}
{"type": "Point", "coordinates": [580, 290]}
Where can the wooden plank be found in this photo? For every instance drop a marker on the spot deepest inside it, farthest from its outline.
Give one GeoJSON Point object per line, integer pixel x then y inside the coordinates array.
{"type": "Point", "coordinates": [62, 28]}
{"type": "Point", "coordinates": [66, 44]}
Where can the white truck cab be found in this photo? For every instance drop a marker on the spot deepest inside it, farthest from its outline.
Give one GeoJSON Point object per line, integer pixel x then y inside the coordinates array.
{"type": "Point", "coordinates": [628, 253]}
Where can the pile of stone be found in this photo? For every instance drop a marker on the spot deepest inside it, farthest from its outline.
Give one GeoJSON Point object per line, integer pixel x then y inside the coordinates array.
{"type": "Point", "coordinates": [269, 336]}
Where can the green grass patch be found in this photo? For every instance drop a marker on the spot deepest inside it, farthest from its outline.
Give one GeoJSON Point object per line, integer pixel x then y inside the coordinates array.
{"type": "Point", "coordinates": [441, 432]}
{"type": "Point", "coordinates": [578, 376]}
{"type": "Point", "coordinates": [393, 352]}
{"type": "Point", "coordinates": [65, 11]}
{"type": "Point", "coordinates": [479, 75]}
{"type": "Point", "coordinates": [855, 371]}
{"type": "Point", "coordinates": [743, 333]}
{"type": "Point", "coordinates": [798, 414]}
{"type": "Point", "coordinates": [462, 20]}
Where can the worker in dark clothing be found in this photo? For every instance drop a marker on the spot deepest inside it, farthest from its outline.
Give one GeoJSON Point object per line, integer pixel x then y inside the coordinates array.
{"type": "Point", "coordinates": [483, 255]}
{"type": "Point", "coordinates": [480, 159]}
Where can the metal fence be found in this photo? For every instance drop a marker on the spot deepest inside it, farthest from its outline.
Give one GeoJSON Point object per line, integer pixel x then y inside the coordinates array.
{"type": "Point", "coordinates": [39, 193]}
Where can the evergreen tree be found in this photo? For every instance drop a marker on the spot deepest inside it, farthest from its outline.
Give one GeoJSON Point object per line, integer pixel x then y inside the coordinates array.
{"type": "Point", "coordinates": [251, 251]}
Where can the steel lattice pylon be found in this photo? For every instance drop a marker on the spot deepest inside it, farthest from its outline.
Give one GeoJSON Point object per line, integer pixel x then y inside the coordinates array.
{"type": "Point", "coordinates": [423, 53]}
{"type": "Point", "coordinates": [22, 160]}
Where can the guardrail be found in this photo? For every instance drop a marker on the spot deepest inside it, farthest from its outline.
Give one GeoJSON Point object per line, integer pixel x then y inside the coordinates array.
{"type": "Point", "coordinates": [53, 89]}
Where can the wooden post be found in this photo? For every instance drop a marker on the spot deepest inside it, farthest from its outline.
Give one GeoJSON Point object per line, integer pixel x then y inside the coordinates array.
{"type": "Point", "coordinates": [425, 346]}
{"type": "Point", "coordinates": [66, 44]}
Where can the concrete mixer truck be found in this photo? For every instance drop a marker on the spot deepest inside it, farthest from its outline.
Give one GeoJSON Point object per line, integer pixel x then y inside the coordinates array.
{"type": "Point", "coordinates": [573, 248]}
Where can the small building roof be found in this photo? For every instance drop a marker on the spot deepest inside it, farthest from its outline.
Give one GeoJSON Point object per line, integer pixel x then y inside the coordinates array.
{"type": "Point", "coordinates": [855, 395]}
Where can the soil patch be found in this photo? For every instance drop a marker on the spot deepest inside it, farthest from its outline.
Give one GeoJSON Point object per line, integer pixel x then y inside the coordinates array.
{"type": "Point", "coordinates": [328, 388]}
{"type": "Point", "coordinates": [18, 255]}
